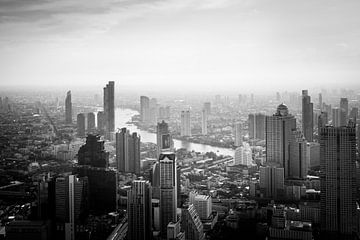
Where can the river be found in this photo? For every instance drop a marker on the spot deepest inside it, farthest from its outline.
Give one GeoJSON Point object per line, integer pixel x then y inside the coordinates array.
{"type": "Point", "coordinates": [122, 116]}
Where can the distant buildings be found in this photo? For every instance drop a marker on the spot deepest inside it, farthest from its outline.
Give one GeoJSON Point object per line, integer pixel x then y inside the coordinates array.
{"type": "Point", "coordinates": [139, 210]}
{"type": "Point", "coordinates": [127, 151]}
{"type": "Point", "coordinates": [185, 123]}
{"type": "Point", "coordinates": [298, 166]}
{"type": "Point", "coordinates": [344, 111]}
{"type": "Point", "coordinates": [144, 109]}
{"type": "Point", "coordinates": [307, 116]}
{"type": "Point", "coordinates": [163, 138]}
{"type": "Point", "coordinates": [109, 109]}
{"type": "Point", "coordinates": [153, 111]}
{"type": "Point", "coordinates": [80, 122]}
{"type": "Point", "coordinates": [207, 108]}
{"type": "Point", "coordinates": [238, 134]}
{"type": "Point", "coordinates": [322, 120]}
{"type": "Point", "coordinates": [338, 180]}
{"type": "Point", "coordinates": [336, 117]}
{"type": "Point", "coordinates": [68, 108]}
{"type": "Point", "coordinates": [90, 122]}
{"type": "Point", "coordinates": [204, 122]}
{"type": "Point", "coordinates": [256, 124]}
{"type": "Point", "coordinates": [279, 129]}
{"type": "Point", "coordinates": [101, 121]}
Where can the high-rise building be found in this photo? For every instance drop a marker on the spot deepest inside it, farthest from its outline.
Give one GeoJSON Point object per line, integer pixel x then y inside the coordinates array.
{"type": "Point", "coordinates": [256, 124]}
{"type": "Point", "coordinates": [80, 122]}
{"type": "Point", "coordinates": [313, 154]}
{"type": "Point", "coordinates": [191, 223]}
{"type": "Point", "coordinates": [168, 191]}
{"type": "Point", "coordinates": [298, 166]}
{"type": "Point", "coordinates": [279, 129]}
{"type": "Point", "coordinates": [70, 204]}
{"type": "Point", "coordinates": [139, 210]}
{"type": "Point", "coordinates": [101, 121]}
{"type": "Point", "coordinates": [344, 111]}
{"type": "Point", "coordinates": [272, 181]}
{"type": "Point", "coordinates": [68, 108]}
{"type": "Point", "coordinates": [320, 102]}
{"type": "Point", "coordinates": [238, 134]}
{"type": "Point", "coordinates": [243, 155]}
{"type": "Point", "coordinates": [338, 180]}
{"type": "Point", "coordinates": [204, 122]}
{"type": "Point", "coordinates": [354, 113]}
{"type": "Point", "coordinates": [144, 109]}
{"type": "Point", "coordinates": [322, 120]}
{"type": "Point", "coordinates": [207, 108]}
{"type": "Point", "coordinates": [127, 151]}
{"type": "Point", "coordinates": [336, 117]}
{"type": "Point", "coordinates": [90, 122]}
{"type": "Point", "coordinates": [109, 109]}
{"type": "Point", "coordinates": [185, 123]}
{"type": "Point", "coordinates": [163, 138]}
{"type": "Point", "coordinates": [202, 204]}
{"type": "Point", "coordinates": [29, 230]}
{"type": "Point", "coordinates": [307, 116]}
{"type": "Point", "coordinates": [153, 111]}
{"type": "Point", "coordinates": [174, 231]}
{"type": "Point", "coordinates": [93, 153]}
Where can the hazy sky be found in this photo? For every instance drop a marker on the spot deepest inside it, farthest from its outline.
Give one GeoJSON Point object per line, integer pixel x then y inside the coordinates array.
{"type": "Point", "coordinates": [249, 44]}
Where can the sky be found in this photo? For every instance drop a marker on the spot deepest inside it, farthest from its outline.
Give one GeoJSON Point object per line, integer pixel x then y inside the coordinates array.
{"type": "Point", "coordinates": [180, 44]}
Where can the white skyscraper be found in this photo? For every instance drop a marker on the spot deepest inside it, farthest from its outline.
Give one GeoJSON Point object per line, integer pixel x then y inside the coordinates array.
{"type": "Point", "coordinates": [185, 123]}
{"type": "Point", "coordinates": [238, 134]}
{"type": "Point", "coordinates": [202, 203]}
{"type": "Point", "coordinates": [243, 155]}
{"type": "Point", "coordinates": [204, 122]}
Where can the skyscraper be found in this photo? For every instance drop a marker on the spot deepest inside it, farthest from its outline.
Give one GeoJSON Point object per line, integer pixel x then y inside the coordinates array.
{"type": "Point", "coordinates": [204, 122]}
{"type": "Point", "coordinates": [243, 155]}
{"type": "Point", "coordinates": [272, 181]}
{"type": "Point", "coordinates": [202, 204]}
{"type": "Point", "coordinates": [68, 108]}
{"type": "Point", "coordinates": [144, 109]}
{"type": "Point", "coordinates": [320, 102]}
{"type": "Point", "coordinates": [338, 180]}
{"type": "Point", "coordinates": [207, 108]}
{"type": "Point", "coordinates": [344, 111]}
{"type": "Point", "coordinates": [90, 122]}
{"type": "Point", "coordinates": [336, 117]}
{"type": "Point", "coordinates": [256, 124]}
{"type": "Point", "coordinates": [279, 128]}
{"type": "Point", "coordinates": [127, 151]}
{"type": "Point", "coordinates": [185, 123]}
{"type": "Point", "coordinates": [101, 121]}
{"type": "Point", "coordinates": [93, 153]}
{"type": "Point", "coordinates": [307, 116]}
{"type": "Point", "coordinates": [354, 113]}
{"type": "Point", "coordinates": [80, 122]}
{"type": "Point", "coordinates": [163, 138]}
{"type": "Point", "coordinates": [298, 166]}
{"type": "Point", "coordinates": [168, 190]}
{"type": "Point", "coordinates": [109, 109]}
{"type": "Point", "coordinates": [153, 111]}
{"type": "Point", "coordinates": [238, 135]}
{"type": "Point", "coordinates": [139, 211]}
{"type": "Point", "coordinates": [191, 223]}
{"type": "Point", "coordinates": [322, 120]}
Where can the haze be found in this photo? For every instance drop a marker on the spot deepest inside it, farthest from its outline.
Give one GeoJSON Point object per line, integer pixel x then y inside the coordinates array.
{"type": "Point", "coordinates": [187, 44]}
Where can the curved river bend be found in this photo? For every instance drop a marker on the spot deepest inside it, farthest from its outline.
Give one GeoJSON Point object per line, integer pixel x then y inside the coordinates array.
{"type": "Point", "coordinates": [122, 116]}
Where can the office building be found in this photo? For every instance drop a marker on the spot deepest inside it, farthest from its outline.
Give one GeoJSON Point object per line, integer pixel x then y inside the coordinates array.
{"type": "Point", "coordinates": [139, 210]}
{"type": "Point", "coordinates": [127, 151]}
{"type": "Point", "coordinates": [101, 121]}
{"type": "Point", "coordinates": [313, 154]}
{"type": "Point", "coordinates": [90, 122]}
{"type": "Point", "coordinates": [25, 229]}
{"type": "Point", "coordinates": [338, 180]}
{"type": "Point", "coordinates": [80, 122]}
{"type": "Point", "coordinates": [307, 116]}
{"type": "Point", "coordinates": [202, 204]}
{"type": "Point", "coordinates": [174, 231]}
{"type": "Point", "coordinates": [320, 102]}
{"type": "Point", "coordinates": [336, 113]}
{"type": "Point", "coordinates": [238, 134]}
{"type": "Point", "coordinates": [164, 141]}
{"type": "Point", "coordinates": [354, 113]}
{"type": "Point", "coordinates": [298, 166]}
{"type": "Point", "coordinates": [272, 182]}
{"type": "Point", "coordinates": [279, 129]}
{"type": "Point", "coordinates": [204, 122]}
{"type": "Point", "coordinates": [109, 109]}
{"type": "Point", "coordinates": [93, 153]}
{"type": "Point", "coordinates": [70, 205]}
{"type": "Point", "coordinates": [144, 109]}
{"type": "Point", "coordinates": [168, 191]}
{"type": "Point", "coordinates": [153, 111]}
{"type": "Point", "coordinates": [155, 180]}
{"type": "Point", "coordinates": [185, 124]}
{"type": "Point", "coordinates": [243, 155]}
{"type": "Point", "coordinates": [344, 111]}
{"type": "Point", "coordinates": [256, 123]}
{"type": "Point", "coordinates": [68, 108]}
{"type": "Point", "coordinates": [191, 223]}
{"type": "Point", "coordinates": [207, 108]}
{"type": "Point", "coordinates": [322, 120]}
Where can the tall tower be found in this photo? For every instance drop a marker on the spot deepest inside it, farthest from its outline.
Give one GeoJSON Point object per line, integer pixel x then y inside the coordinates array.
{"type": "Point", "coordinates": [80, 121]}
{"type": "Point", "coordinates": [90, 122]}
{"type": "Point", "coordinates": [168, 190]}
{"type": "Point", "coordinates": [185, 123]}
{"type": "Point", "coordinates": [163, 138]}
{"type": "Point", "coordinates": [272, 181]}
{"type": "Point", "coordinates": [256, 124]}
{"type": "Point", "coordinates": [338, 179]}
{"type": "Point", "coordinates": [204, 122]}
{"type": "Point", "coordinates": [101, 121]}
{"type": "Point", "coordinates": [238, 135]}
{"type": "Point", "coordinates": [279, 128]}
{"type": "Point", "coordinates": [139, 211]}
{"type": "Point", "coordinates": [127, 151]}
{"type": "Point", "coordinates": [68, 108]}
{"type": "Point", "coordinates": [336, 112]}
{"type": "Point", "coordinates": [144, 109]}
{"type": "Point", "coordinates": [344, 111]}
{"type": "Point", "coordinates": [207, 107]}
{"type": "Point", "coordinates": [320, 102]}
{"type": "Point", "coordinates": [322, 120]}
{"type": "Point", "coordinates": [298, 166]}
{"type": "Point", "coordinates": [307, 116]}
{"type": "Point", "coordinates": [93, 153]}
{"type": "Point", "coordinates": [109, 109]}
